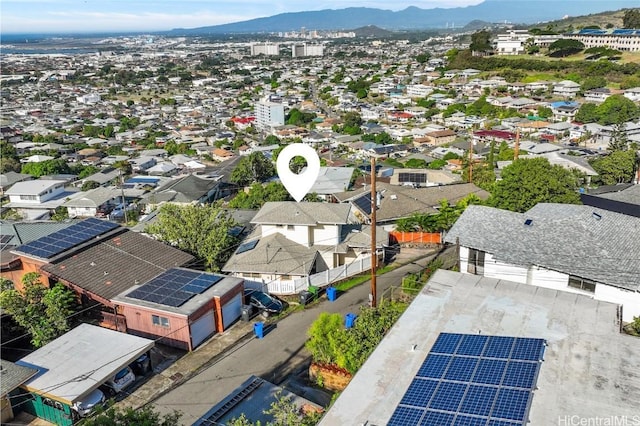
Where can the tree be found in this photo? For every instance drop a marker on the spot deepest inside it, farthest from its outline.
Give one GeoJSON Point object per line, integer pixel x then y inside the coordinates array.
{"type": "Point", "coordinates": [416, 163]}
{"type": "Point", "coordinates": [284, 412]}
{"type": "Point", "coordinates": [617, 109]}
{"type": "Point", "coordinates": [587, 113]}
{"type": "Point", "coordinates": [565, 47]}
{"type": "Point", "coordinates": [144, 416]}
{"type": "Point", "coordinates": [90, 184]}
{"type": "Point", "coordinates": [422, 58]}
{"type": "Point", "coordinates": [48, 167]}
{"type": "Point", "coordinates": [480, 41]}
{"type": "Point", "coordinates": [200, 230]}
{"type": "Point", "coordinates": [43, 312]}
{"type": "Point", "coordinates": [252, 168]}
{"type": "Point", "coordinates": [619, 139]}
{"type": "Point", "coordinates": [527, 182]}
{"type": "Point", "coordinates": [631, 18]}
{"type": "Point", "coordinates": [259, 194]}
{"type": "Point", "coordinates": [617, 167]}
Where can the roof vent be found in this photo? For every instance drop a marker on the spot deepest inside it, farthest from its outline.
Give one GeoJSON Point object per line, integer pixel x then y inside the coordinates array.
{"type": "Point", "coordinates": [528, 222]}
{"type": "Point", "coordinates": [596, 216]}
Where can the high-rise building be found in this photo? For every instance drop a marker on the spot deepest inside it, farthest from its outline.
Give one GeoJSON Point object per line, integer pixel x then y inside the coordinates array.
{"type": "Point", "coordinates": [300, 50]}
{"type": "Point", "coordinates": [269, 113]}
{"type": "Point", "coordinates": [265, 49]}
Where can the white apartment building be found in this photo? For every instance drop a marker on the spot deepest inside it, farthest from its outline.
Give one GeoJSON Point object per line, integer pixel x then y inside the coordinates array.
{"type": "Point", "coordinates": [624, 40]}
{"type": "Point", "coordinates": [301, 50]}
{"type": "Point", "coordinates": [265, 49]}
{"type": "Point", "coordinates": [418, 90]}
{"type": "Point", "coordinates": [269, 113]}
{"type": "Point", "coordinates": [511, 43]}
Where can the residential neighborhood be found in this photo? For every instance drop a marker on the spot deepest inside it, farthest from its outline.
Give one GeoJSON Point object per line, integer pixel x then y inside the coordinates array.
{"type": "Point", "coordinates": [468, 252]}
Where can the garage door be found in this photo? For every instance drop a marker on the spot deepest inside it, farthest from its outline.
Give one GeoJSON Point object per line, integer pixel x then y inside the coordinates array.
{"type": "Point", "coordinates": [231, 311]}
{"type": "Point", "coordinates": [202, 328]}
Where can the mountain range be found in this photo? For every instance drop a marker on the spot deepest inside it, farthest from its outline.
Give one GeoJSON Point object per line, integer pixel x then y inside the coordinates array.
{"type": "Point", "coordinates": [414, 18]}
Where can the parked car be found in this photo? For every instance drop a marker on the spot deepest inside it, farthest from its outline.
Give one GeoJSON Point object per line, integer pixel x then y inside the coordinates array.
{"type": "Point", "coordinates": [263, 302]}
{"type": "Point", "coordinates": [104, 210]}
{"type": "Point", "coordinates": [86, 405]}
{"type": "Point", "coordinates": [123, 379]}
{"type": "Point", "coordinates": [142, 365]}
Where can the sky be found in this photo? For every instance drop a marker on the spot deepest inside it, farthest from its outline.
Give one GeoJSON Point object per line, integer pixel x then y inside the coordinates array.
{"type": "Point", "coordinates": [97, 16]}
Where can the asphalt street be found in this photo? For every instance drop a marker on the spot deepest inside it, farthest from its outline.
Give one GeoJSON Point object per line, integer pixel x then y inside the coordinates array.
{"type": "Point", "coordinates": [273, 357]}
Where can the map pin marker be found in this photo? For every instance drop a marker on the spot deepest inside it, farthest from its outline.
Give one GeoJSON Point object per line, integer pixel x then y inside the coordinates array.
{"type": "Point", "coordinates": [298, 184]}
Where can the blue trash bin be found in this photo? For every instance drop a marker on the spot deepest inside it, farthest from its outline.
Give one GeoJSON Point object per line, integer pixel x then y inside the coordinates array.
{"type": "Point", "coordinates": [332, 294]}
{"type": "Point", "coordinates": [258, 329]}
{"type": "Point", "coordinates": [349, 320]}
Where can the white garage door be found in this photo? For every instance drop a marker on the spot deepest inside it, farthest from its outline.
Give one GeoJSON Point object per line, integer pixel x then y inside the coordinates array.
{"type": "Point", "coordinates": [202, 328]}
{"type": "Point", "coordinates": [231, 311]}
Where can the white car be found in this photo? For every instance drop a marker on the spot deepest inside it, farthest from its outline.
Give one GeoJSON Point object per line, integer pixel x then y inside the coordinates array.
{"type": "Point", "coordinates": [120, 381]}
{"type": "Point", "coordinates": [86, 405]}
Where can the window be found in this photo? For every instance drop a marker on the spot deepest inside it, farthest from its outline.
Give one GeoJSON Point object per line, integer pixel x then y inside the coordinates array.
{"type": "Point", "coordinates": [476, 262]}
{"type": "Point", "coordinates": [28, 197]}
{"type": "Point", "coordinates": [161, 321]}
{"type": "Point", "coordinates": [582, 284]}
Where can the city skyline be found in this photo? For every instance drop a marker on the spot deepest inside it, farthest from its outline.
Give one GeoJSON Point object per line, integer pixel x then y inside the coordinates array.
{"type": "Point", "coordinates": [90, 16]}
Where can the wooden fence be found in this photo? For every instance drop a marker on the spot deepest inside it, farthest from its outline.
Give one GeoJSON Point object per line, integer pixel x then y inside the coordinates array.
{"type": "Point", "coordinates": [415, 237]}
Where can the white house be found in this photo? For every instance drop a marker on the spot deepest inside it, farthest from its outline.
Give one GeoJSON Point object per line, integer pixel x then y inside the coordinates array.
{"type": "Point", "coordinates": [633, 94]}
{"type": "Point", "coordinates": [575, 248]}
{"type": "Point", "coordinates": [296, 240]}
{"type": "Point", "coordinates": [35, 191]}
{"type": "Point", "coordinates": [598, 95]}
{"type": "Point", "coordinates": [566, 88]}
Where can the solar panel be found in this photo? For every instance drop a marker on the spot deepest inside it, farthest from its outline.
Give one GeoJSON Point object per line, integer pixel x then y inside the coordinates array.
{"type": "Point", "coordinates": [419, 392]}
{"type": "Point", "coordinates": [412, 177]}
{"type": "Point", "coordinates": [247, 246]}
{"type": "Point", "coordinates": [60, 241]}
{"type": "Point", "coordinates": [434, 366]}
{"type": "Point", "coordinates": [437, 418]}
{"type": "Point", "coordinates": [404, 416]}
{"type": "Point", "coordinates": [175, 286]}
{"type": "Point", "coordinates": [461, 368]}
{"type": "Point", "coordinates": [470, 421]}
{"type": "Point", "coordinates": [363, 202]}
{"type": "Point", "coordinates": [473, 380]}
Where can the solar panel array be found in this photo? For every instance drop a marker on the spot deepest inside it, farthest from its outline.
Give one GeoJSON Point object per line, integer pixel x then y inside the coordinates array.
{"type": "Point", "coordinates": [60, 241]}
{"type": "Point", "coordinates": [412, 178]}
{"type": "Point", "coordinates": [473, 380]}
{"type": "Point", "coordinates": [363, 202]}
{"type": "Point", "coordinates": [175, 287]}
{"type": "Point", "coordinates": [247, 246]}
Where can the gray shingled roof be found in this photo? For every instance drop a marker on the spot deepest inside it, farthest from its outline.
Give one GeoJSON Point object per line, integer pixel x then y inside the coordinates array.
{"type": "Point", "coordinates": [579, 240]}
{"type": "Point", "coordinates": [116, 264]}
{"type": "Point", "coordinates": [274, 254]}
{"type": "Point", "coordinates": [13, 375]}
{"type": "Point", "coordinates": [292, 213]}
{"type": "Point", "coordinates": [629, 195]}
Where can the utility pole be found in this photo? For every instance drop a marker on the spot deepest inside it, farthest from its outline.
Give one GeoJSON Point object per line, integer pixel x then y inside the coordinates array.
{"type": "Point", "coordinates": [374, 257]}
{"type": "Point", "coordinates": [124, 202]}
{"type": "Point", "coordinates": [516, 149]}
{"type": "Point", "coordinates": [471, 155]}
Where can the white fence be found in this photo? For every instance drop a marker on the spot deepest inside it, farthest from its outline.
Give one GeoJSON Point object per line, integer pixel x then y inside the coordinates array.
{"type": "Point", "coordinates": [320, 279]}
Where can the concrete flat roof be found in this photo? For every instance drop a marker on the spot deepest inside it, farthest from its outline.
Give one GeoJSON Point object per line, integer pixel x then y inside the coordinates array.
{"type": "Point", "coordinates": [80, 360]}
{"type": "Point", "coordinates": [590, 369]}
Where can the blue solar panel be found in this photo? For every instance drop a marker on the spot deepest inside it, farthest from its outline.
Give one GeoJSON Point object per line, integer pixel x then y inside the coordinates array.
{"type": "Point", "coordinates": [247, 246]}
{"type": "Point", "coordinates": [175, 286]}
{"type": "Point", "coordinates": [60, 241]}
{"type": "Point", "coordinates": [472, 344]}
{"type": "Point", "coordinates": [419, 392]}
{"type": "Point", "coordinates": [511, 404]}
{"type": "Point", "coordinates": [434, 366]}
{"type": "Point", "coordinates": [473, 380]}
{"type": "Point", "coordinates": [446, 343]}
{"type": "Point", "coordinates": [404, 416]}
{"type": "Point", "coordinates": [490, 371]}
{"type": "Point", "coordinates": [479, 400]}
{"type": "Point", "coordinates": [363, 202]}
{"type": "Point", "coordinates": [437, 418]}
{"type": "Point", "coordinates": [498, 347]}
{"type": "Point", "coordinates": [448, 396]}
{"type": "Point", "coordinates": [470, 421]}
{"type": "Point", "coordinates": [461, 368]}
{"type": "Point", "coordinates": [521, 374]}
{"type": "Point", "coordinates": [528, 349]}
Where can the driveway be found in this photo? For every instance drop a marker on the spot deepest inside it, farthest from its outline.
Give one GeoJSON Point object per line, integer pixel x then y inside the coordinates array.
{"type": "Point", "coordinates": [274, 357]}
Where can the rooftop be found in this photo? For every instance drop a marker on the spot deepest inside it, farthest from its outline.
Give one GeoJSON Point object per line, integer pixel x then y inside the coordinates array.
{"type": "Point", "coordinates": [585, 349]}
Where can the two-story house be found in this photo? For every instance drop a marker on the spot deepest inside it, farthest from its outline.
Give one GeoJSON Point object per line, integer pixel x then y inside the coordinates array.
{"type": "Point", "coordinates": [34, 199]}
{"type": "Point", "coordinates": [295, 240]}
